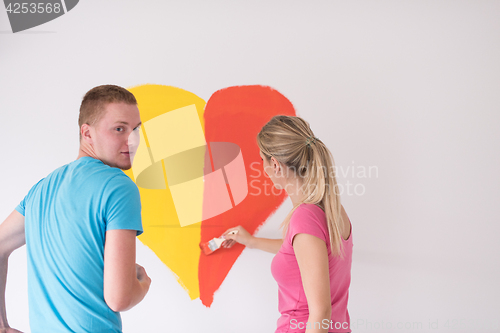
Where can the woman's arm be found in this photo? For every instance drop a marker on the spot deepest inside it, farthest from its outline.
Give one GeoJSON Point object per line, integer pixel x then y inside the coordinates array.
{"type": "Point", "coordinates": [244, 237]}
{"type": "Point", "coordinates": [312, 258]}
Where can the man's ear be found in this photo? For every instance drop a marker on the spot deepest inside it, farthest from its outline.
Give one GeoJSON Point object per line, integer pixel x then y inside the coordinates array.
{"type": "Point", "coordinates": [86, 133]}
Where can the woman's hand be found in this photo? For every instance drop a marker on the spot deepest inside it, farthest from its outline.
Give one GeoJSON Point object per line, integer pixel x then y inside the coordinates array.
{"type": "Point", "coordinates": [241, 236]}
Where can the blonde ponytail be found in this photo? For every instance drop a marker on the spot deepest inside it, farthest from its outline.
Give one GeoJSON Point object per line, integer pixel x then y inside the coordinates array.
{"type": "Point", "coordinates": [291, 141]}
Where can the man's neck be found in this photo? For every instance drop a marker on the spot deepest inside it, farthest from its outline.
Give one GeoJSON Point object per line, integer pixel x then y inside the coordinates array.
{"type": "Point", "coordinates": [81, 153]}
{"type": "Point", "coordinates": [86, 151]}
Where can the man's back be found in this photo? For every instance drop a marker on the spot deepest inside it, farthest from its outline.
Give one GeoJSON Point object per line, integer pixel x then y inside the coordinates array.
{"type": "Point", "coordinates": [67, 215]}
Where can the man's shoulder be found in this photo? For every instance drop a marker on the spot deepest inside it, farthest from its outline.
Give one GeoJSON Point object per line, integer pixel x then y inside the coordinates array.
{"type": "Point", "coordinates": [96, 172]}
{"type": "Point", "coordinates": [89, 173]}
{"type": "Point", "coordinates": [93, 167]}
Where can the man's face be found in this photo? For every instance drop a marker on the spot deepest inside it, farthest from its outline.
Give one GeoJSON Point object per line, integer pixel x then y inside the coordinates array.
{"type": "Point", "coordinates": [115, 137]}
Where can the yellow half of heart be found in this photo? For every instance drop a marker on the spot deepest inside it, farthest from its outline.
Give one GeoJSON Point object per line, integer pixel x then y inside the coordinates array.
{"type": "Point", "coordinates": [162, 134]}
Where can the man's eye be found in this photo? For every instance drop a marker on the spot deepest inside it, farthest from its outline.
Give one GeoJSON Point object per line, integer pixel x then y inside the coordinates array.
{"type": "Point", "coordinates": [119, 129]}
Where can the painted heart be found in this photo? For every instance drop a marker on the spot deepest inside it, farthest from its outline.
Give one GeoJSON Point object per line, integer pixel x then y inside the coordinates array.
{"type": "Point", "coordinates": [175, 219]}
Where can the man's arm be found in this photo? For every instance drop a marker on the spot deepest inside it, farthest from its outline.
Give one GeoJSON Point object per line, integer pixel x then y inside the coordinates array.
{"type": "Point", "coordinates": [125, 283]}
{"type": "Point", "coordinates": [11, 238]}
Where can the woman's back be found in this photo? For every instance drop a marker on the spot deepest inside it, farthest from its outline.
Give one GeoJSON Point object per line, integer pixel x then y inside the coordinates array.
{"type": "Point", "coordinates": [311, 219]}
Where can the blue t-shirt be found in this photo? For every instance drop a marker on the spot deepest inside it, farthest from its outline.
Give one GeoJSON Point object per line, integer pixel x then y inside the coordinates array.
{"type": "Point", "coordinates": [67, 215]}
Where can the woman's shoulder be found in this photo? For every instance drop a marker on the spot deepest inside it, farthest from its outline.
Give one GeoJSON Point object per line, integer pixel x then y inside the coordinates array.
{"type": "Point", "coordinates": [315, 213]}
{"type": "Point", "coordinates": [311, 209]}
{"type": "Point", "coordinates": [308, 218]}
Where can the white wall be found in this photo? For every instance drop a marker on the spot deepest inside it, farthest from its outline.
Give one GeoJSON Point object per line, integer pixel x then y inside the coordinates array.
{"type": "Point", "coordinates": [411, 87]}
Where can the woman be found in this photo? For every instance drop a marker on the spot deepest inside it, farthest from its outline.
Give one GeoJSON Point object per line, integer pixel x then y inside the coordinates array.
{"type": "Point", "coordinates": [312, 265]}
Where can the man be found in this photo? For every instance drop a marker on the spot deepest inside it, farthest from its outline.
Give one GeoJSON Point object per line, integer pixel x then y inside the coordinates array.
{"type": "Point", "coordinates": [80, 224]}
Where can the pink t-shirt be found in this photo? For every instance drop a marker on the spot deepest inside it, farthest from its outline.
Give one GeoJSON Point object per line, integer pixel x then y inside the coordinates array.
{"type": "Point", "coordinates": [310, 219]}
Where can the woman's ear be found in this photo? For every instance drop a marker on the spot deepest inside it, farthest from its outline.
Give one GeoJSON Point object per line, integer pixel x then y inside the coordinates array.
{"type": "Point", "coordinates": [276, 165]}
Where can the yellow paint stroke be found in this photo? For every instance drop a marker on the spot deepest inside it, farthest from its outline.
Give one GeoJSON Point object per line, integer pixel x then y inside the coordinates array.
{"type": "Point", "coordinates": [176, 246]}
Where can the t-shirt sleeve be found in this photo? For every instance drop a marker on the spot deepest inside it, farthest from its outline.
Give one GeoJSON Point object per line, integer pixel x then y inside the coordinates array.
{"type": "Point", "coordinates": [306, 221]}
{"type": "Point", "coordinates": [21, 208]}
{"type": "Point", "coordinates": [122, 208]}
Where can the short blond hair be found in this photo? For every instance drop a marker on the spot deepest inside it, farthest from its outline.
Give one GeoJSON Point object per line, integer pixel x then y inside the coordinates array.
{"type": "Point", "coordinates": [95, 100]}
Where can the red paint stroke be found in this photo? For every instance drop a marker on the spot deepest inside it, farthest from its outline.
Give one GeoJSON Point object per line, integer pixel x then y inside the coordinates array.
{"type": "Point", "coordinates": [237, 114]}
